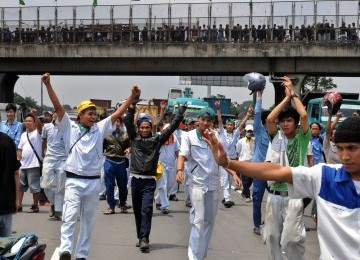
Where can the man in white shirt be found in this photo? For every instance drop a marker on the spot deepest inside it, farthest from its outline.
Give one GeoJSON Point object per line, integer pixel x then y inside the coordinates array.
{"type": "Point", "coordinates": [335, 187]}
{"type": "Point", "coordinates": [53, 175]}
{"type": "Point", "coordinates": [245, 151]}
{"type": "Point", "coordinates": [84, 146]}
{"type": "Point", "coordinates": [29, 153]}
{"type": "Point", "coordinates": [203, 177]}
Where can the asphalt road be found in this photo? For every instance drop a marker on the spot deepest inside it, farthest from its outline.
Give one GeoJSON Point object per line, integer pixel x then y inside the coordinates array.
{"type": "Point", "coordinates": [115, 236]}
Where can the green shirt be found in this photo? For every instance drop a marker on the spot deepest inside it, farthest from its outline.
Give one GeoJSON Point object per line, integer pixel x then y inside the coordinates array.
{"type": "Point", "coordinates": [296, 152]}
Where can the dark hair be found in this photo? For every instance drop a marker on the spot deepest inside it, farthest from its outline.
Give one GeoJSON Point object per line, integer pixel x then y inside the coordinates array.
{"type": "Point", "coordinates": [264, 115]}
{"type": "Point", "coordinates": [30, 115]}
{"type": "Point", "coordinates": [316, 123]}
{"type": "Point", "coordinates": [10, 106]}
{"type": "Point", "coordinates": [289, 112]}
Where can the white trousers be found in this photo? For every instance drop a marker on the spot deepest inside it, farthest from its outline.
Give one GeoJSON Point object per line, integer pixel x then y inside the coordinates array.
{"type": "Point", "coordinates": [285, 230]}
{"type": "Point", "coordinates": [187, 188]}
{"type": "Point", "coordinates": [53, 183]}
{"type": "Point", "coordinates": [225, 182]}
{"type": "Point", "coordinates": [202, 219]}
{"type": "Point", "coordinates": [161, 195]}
{"type": "Point", "coordinates": [81, 197]}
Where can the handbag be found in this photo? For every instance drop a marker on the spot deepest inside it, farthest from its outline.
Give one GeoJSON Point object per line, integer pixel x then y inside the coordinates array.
{"type": "Point", "coordinates": [37, 156]}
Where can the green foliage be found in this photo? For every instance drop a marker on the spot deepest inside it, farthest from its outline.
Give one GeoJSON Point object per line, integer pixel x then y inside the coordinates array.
{"type": "Point", "coordinates": [240, 109]}
{"type": "Point", "coordinates": [318, 84]}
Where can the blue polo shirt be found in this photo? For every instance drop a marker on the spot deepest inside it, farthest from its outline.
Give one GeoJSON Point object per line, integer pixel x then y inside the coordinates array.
{"type": "Point", "coordinates": [13, 130]}
{"type": "Point", "coordinates": [261, 136]}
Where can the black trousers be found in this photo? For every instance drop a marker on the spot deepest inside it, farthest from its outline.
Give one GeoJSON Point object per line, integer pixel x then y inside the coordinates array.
{"type": "Point", "coordinates": [142, 192]}
{"type": "Point", "coordinates": [246, 182]}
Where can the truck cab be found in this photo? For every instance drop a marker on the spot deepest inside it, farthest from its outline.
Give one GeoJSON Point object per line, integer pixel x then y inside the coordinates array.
{"type": "Point", "coordinates": [317, 112]}
{"type": "Point", "coordinates": [193, 105]}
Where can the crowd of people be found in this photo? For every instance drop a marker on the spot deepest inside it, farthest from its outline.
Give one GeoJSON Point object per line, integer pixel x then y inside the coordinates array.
{"type": "Point", "coordinates": [170, 33]}
{"type": "Point", "coordinates": [150, 153]}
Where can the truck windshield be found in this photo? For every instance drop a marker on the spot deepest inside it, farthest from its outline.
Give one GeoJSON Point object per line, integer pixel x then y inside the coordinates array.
{"type": "Point", "coordinates": [346, 109]}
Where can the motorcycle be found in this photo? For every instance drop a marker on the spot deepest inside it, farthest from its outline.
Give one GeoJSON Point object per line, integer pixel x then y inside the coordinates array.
{"type": "Point", "coordinates": [24, 247]}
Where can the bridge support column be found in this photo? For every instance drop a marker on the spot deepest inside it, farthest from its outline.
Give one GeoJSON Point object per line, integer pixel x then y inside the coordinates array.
{"type": "Point", "coordinates": [279, 90]}
{"type": "Point", "coordinates": [7, 85]}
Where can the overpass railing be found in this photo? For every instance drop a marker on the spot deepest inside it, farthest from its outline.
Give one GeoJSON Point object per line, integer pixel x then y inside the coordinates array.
{"type": "Point", "coordinates": [271, 21]}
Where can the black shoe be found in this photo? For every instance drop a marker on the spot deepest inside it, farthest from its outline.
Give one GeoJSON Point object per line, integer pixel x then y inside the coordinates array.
{"type": "Point", "coordinates": [223, 201]}
{"type": "Point", "coordinates": [138, 243]}
{"type": "Point", "coordinates": [144, 245]}
{"type": "Point", "coordinates": [165, 211]}
{"type": "Point", "coordinates": [102, 197]}
{"type": "Point", "coordinates": [188, 204]}
{"type": "Point", "coordinates": [228, 204]}
{"type": "Point", "coordinates": [82, 258]}
{"type": "Point", "coordinates": [257, 231]}
{"type": "Point", "coordinates": [173, 197]}
{"type": "Point", "coordinates": [158, 206]}
{"type": "Point", "coordinates": [65, 256]}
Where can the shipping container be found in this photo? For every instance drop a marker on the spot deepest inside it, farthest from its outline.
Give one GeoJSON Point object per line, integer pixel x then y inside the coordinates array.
{"type": "Point", "coordinates": [225, 104]}
{"type": "Point", "coordinates": [102, 102]}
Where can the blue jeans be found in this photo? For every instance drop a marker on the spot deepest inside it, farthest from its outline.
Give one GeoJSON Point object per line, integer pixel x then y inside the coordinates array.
{"type": "Point", "coordinates": [142, 192]}
{"type": "Point", "coordinates": [115, 171]}
{"type": "Point", "coordinates": [259, 187]}
{"type": "Point", "coordinates": [5, 225]}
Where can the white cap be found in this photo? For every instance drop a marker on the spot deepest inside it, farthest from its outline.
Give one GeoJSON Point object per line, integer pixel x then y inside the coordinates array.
{"type": "Point", "coordinates": [249, 128]}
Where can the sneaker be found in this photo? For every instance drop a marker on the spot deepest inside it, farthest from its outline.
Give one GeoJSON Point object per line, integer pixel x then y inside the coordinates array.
{"type": "Point", "coordinates": [65, 256]}
{"type": "Point", "coordinates": [188, 204]}
{"type": "Point", "coordinates": [165, 211]}
{"type": "Point", "coordinates": [102, 197]}
{"type": "Point", "coordinates": [52, 211]}
{"type": "Point", "coordinates": [228, 204]}
{"type": "Point", "coordinates": [223, 201]}
{"type": "Point", "coordinates": [248, 200]}
{"type": "Point", "coordinates": [33, 209]}
{"type": "Point", "coordinates": [58, 215]}
{"type": "Point", "coordinates": [173, 197]}
{"type": "Point", "coordinates": [144, 245]}
{"type": "Point", "coordinates": [158, 206]}
{"type": "Point", "coordinates": [257, 231]}
{"type": "Point", "coordinates": [126, 205]}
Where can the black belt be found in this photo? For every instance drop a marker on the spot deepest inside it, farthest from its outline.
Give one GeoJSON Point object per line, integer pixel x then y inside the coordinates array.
{"type": "Point", "coordinates": [280, 193]}
{"type": "Point", "coordinates": [76, 176]}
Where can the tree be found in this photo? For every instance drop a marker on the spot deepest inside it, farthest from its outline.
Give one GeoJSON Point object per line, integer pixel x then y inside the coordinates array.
{"type": "Point", "coordinates": [240, 109]}
{"type": "Point", "coordinates": [318, 84]}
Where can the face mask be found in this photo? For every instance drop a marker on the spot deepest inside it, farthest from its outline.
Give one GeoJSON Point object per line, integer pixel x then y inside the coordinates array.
{"type": "Point", "coordinates": [248, 135]}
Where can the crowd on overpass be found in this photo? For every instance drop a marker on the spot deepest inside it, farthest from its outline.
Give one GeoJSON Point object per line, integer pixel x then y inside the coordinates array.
{"type": "Point", "coordinates": [178, 33]}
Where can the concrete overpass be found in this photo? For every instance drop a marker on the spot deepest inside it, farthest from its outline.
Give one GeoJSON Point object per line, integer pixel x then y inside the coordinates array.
{"type": "Point", "coordinates": [325, 59]}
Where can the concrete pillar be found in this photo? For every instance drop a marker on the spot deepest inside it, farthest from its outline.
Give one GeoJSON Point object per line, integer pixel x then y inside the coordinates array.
{"type": "Point", "coordinates": [7, 84]}
{"type": "Point", "coordinates": [279, 90]}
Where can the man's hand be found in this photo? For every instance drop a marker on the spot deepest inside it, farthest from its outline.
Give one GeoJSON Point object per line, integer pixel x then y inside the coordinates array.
{"type": "Point", "coordinates": [289, 87]}
{"type": "Point", "coordinates": [217, 148]}
{"type": "Point", "coordinates": [33, 111]}
{"type": "Point", "coordinates": [182, 108]}
{"type": "Point", "coordinates": [339, 114]}
{"type": "Point", "coordinates": [135, 91]}
{"type": "Point", "coordinates": [250, 110]}
{"type": "Point", "coordinates": [217, 104]}
{"type": "Point", "coordinates": [163, 104]}
{"type": "Point", "coordinates": [236, 178]}
{"type": "Point", "coordinates": [45, 78]}
{"type": "Point", "coordinates": [179, 177]}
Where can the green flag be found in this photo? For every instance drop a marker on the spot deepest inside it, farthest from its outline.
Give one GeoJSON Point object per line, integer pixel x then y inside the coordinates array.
{"type": "Point", "coordinates": [94, 3]}
{"type": "Point", "coordinates": [21, 2]}
{"type": "Point", "coordinates": [251, 6]}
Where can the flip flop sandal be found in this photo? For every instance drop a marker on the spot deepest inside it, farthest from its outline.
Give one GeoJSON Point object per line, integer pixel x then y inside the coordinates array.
{"type": "Point", "coordinates": [109, 212]}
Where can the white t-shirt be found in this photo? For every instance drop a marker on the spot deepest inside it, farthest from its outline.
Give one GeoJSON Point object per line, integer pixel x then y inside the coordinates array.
{"type": "Point", "coordinates": [29, 159]}
{"type": "Point", "coordinates": [55, 144]}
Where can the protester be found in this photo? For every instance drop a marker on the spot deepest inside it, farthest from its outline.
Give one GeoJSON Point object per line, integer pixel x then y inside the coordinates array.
{"type": "Point", "coordinates": [285, 230]}
{"type": "Point", "coordinates": [336, 189]}
{"type": "Point", "coordinates": [229, 138]}
{"type": "Point", "coordinates": [84, 146]}
{"type": "Point", "coordinates": [115, 166]}
{"type": "Point", "coordinates": [53, 175]}
{"type": "Point", "coordinates": [203, 176]}
{"type": "Point", "coordinates": [30, 156]}
{"type": "Point", "coordinates": [11, 127]}
{"type": "Point", "coordinates": [261, 144]}
{"type": "Point", "coordinates": [9, 183]}
{"type": "Point", "coordinates": [145, 148]}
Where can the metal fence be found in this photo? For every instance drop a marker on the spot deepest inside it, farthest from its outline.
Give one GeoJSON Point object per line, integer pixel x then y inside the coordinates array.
{"type": "Point", "coordinates": [272, 21]}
